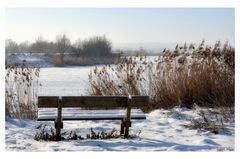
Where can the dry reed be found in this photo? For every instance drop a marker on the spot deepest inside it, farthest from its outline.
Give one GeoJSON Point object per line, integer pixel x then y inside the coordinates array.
{"type": "Point", "coordinates": [188, 75]}
{"type": "Point", "coordinates": [21, 88]}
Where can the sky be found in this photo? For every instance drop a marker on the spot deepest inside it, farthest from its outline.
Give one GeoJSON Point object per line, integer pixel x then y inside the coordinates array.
{"type": "Point", "coordinates": [123, 25]}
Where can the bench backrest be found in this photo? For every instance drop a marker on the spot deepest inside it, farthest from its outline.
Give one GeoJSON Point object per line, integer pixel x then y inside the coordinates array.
{"type": "Point", "coordinates": [91, 101]}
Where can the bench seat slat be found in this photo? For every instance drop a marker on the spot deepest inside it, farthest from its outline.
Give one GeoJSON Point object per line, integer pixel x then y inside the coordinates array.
{"type": "Point", "coordinates": [79, 114]}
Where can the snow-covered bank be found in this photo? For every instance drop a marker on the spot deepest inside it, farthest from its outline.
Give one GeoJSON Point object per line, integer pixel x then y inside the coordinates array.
{"type": "Point", "coordinates": [32, 59]}
{"type": "Point", "coordinates": [162, 131]}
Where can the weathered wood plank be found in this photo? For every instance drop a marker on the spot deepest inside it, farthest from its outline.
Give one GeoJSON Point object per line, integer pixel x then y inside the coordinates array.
{"type": "Point", "coordinates": [92, 101]}
{"type": "Point", "coordinates": [47, 101]}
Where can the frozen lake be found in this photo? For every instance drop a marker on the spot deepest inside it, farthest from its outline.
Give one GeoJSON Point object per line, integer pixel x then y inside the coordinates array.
{"type": "Point", "coordinates": [61, 81]}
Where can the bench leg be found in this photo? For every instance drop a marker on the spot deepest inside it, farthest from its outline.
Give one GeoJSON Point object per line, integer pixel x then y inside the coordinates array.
{"type": "Point", "coordinates": [126, 129]}
{"type": "Point", "coordinates": [121, 127]}
{"type": "Point", "coordinates": [128, 118]}
{"type": "Point", "coordinates": [59, 120]}
{"type": "Point", "coordinates": [58, 127]}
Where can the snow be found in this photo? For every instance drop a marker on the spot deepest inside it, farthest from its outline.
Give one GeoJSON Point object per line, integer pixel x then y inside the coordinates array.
{"type": "Point", "coordinates": [163, 130]}
{"type": "Point", "coordinates": [33, 59]}
{"type": "Point", "coordinates": [63, 81]}
{"type": "Point", "coordinates": [76, 113]}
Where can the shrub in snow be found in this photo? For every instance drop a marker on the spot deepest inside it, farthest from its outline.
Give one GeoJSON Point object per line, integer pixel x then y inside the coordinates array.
{"type": "Point", "coordinates": [211, 122]}
{"type": "Point", "coordinates": [46, 133]}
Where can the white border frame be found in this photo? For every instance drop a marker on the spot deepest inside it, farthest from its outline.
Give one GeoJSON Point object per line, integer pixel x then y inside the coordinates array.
{"type": "Point", "coordinates": [120, 4]}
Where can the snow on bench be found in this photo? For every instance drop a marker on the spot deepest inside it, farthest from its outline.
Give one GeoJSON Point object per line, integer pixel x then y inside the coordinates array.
{"type": "Point", "coordinates": [50, 114]}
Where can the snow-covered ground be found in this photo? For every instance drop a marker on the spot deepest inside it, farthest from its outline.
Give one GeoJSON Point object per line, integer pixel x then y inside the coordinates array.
{"type": "Point", "coordinates": [163, 130]}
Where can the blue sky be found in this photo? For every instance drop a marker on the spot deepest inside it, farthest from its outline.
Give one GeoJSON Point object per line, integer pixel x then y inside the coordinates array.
{"type": "Point", "coordinates": [123, 25]}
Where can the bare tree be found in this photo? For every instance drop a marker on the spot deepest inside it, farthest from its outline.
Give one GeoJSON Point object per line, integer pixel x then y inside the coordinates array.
{"type": "Point", "coordinates": [97, 46]}
{"type": "Point", "coordinates": [78, 46]}
{"type": "Point", "coordinates": [24, 47]}
{"type": "Point", "coordinates": [40, 45]}
{"type": "Point", "coordinates": [63, 43]}
{"type": "Point", "coordinates": [11, 46]}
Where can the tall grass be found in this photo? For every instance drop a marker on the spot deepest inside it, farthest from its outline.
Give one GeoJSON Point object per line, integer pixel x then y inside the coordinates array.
{"type": "Point", "coordinates": [188, 75]}
{"type": "Point", "coordinates": [21, 88]}
{"type": "Point", "coordinates": [123, 79]}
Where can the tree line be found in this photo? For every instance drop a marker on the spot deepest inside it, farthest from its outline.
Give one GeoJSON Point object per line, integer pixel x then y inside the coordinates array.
{"type": "Point", "coordinates": [98, 46]}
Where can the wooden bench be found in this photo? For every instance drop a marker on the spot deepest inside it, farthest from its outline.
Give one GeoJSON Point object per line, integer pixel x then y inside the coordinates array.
{"type": "Point", "coordinates": [111, 104]}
